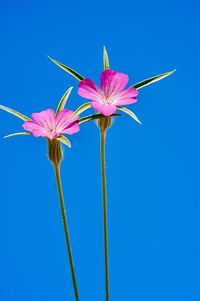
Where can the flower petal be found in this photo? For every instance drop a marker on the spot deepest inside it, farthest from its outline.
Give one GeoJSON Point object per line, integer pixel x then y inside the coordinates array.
{"type": "Point", "coordinates": [129, 93]}
{"type": "Point", "coordinates": [104, 108]}
{"type": "Point", "coordinates": [113, 82]}
{"type": "Point", "coordinates": [45, 119]}
{"type": "Point", "coordinates": [43, 124]}
{"type": "Point", "coordinates": [125, 101]}
{"type": "Point", "coordinates": [88, 89]}
{"type": "Point", "coordinates": [63, 115]}
{"type": "Point", "coordinates": [47, 124]}
{"type": "Point", "coordinates": [128, 96]}
{"type": "Point", "coordinates": [35, 129]}
{"type": "Point", "coordinates": [63, 119]}
{"type": "Point", "coordinates": [72, 128]}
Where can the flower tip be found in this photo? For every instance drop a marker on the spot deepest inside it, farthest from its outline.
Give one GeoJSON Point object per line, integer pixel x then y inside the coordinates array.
{"type": "Point", "coordinates": [171, 72]}
{"type": "Point", "coordinates": [50, 58]}
{"type": "Point", "coordinates": [7, 136]}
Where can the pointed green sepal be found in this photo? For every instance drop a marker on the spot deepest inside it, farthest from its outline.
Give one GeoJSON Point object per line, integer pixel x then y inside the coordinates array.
{"type": "Point", "coordinates": [129, 112]}
{"type": "Point", "coordinates": [152, 80]}
{"type": "Point", "coordinates": [18, 134]}
{"type": "Point", "coordinates": [64, 140]}
{"type": "Point", "coordinates": [105, 59]}
{"type": "Point", "coordinates": [90, 117]}
{"type": "Point", "coordinates": [63, 100]}
{"type": "Point", "coordinates": [13, 112]}
{"type": "Point", "coordinates": [67, 69]}
{"type": "Point", "coordinates": [81, 109]}
{"type": "Point", "coordinates": [93, 117]}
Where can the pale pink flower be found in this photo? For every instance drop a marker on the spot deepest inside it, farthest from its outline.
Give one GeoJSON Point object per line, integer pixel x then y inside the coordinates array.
{"type": "Point", "coordinates": [112, 92]}
{"type": "Point", "coordinates": [50, 125]}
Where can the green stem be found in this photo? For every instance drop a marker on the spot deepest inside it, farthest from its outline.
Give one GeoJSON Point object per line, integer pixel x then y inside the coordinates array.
{"type": "Point", "coordinates": [64, 218]}
{"type": "Point", "coordinates": [105, 224]}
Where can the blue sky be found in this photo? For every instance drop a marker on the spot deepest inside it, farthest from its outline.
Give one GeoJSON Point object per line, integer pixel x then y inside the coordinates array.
{"type": "Point", "coordinates": [152, 170]}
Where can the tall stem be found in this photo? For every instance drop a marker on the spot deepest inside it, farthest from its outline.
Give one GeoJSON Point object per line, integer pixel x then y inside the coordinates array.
{"type": "Point", "coordinates": [104, 201]}
{"type": "Point", "coordinates": [64, 218]}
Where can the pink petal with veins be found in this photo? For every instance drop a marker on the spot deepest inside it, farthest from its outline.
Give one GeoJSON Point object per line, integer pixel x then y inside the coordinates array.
{"type": "Point", "coordinates": [104, 108]}
{"type": "Point", "coordinates": [88, 89]}
{"type": "Point", "coordinates": [113, 82]}
{"type": "Point", "coordinates": [35, 129]}
{"type": "Point", "coordinates": [45, 118]}
{"type": "Point", "coordinates": [126, 101]}
{"type": "Point", "coordinates": [72, 128]}
{"type": "Point", "coordinates": [128, 96]}
{"type": "Point", "coordinates": [47, 124]}
{"type": "Point", "coordinates": [111, 93]}
{"type": "Point", "coordinates": [63, 119]}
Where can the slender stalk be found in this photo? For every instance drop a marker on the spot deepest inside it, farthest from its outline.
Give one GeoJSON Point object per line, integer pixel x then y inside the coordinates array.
{"type": "Point", "coordinates": [64, 218]}
{"type": "Point", "coordinates": [104, 203]}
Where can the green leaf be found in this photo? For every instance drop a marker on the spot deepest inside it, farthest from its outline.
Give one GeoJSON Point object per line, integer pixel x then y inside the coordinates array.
{"type": "Point", "coordinates": [64, 140]}
{"type": "Point", "coordinates": [93, 117]}
{"type": "Point", "coordinates": [18, 134]}
{"type": "Point", "coordinates": [63, 100]}
{"type": "Point", "coordinates": [67, 69]}
{"type": "Point", "coordinates": [129, 112]}
{"type": "Point", "coordinates": [105, 59]}
{"type": "Point", "coordinates": [152, 80]}
{"type": "Point", "coordinates": [13, 112]}
{"type": "Point", "coordinates": [81, 109]}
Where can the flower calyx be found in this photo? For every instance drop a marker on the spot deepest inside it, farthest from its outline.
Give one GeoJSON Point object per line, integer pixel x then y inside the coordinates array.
{"type": "Point", "coordinates": [55, 152]}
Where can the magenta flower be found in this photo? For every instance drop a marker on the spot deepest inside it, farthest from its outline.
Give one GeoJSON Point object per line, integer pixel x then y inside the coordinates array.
{"type": "Point", "coordinates": [49, 125]}
{"type": "Point", "coordinates": [111, 94]}
{"type": "Point", "coordinates": [52, 125]}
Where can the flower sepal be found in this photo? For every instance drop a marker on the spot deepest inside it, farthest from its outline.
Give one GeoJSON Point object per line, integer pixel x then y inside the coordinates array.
{"type": "Point", "coordinates": [81, 109]}
{"type": "Point", "coordinates": [63, 100]}
{"type": "Point", "coordinates": [18, 134]}
{"type": "Point", "coordinates": [152, 80]}
{"type": "Point", "coordinates": [106, 64]}
{"type": "Point", "coordinates": [94, 117]}
{"type": "Point", "coordinates": [64, 140]}
{"type": "Point", "coordinates": [129, 112]}
{"type": "Point", "coordinates": [15, 113]}
{"type": "Point", "coordinates": [67, 69]}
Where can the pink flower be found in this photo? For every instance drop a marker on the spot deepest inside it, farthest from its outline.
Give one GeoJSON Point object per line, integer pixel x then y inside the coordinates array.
{"type": "Point", "coordinates": [50, 125]}
{"type": "Point", "coordinates": [111, 94]}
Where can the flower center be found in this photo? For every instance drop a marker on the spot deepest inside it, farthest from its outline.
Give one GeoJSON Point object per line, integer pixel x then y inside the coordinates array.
{"type": "Point", "coordinates": [110, 99]}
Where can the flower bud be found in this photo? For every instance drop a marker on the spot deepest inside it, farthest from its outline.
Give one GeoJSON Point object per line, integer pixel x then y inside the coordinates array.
{"type": "Point", "coordinates": [55, 152]}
